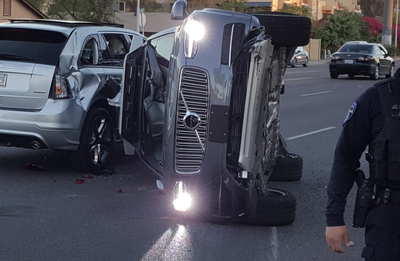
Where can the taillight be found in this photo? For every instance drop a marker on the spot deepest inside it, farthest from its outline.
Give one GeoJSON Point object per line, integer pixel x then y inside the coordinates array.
{"type": "Point", "coordinates": [60, 88]}
{"type": "Point", "coordinates": [336, 58]}
{"type": "Point", "coordinates": [366, 59]}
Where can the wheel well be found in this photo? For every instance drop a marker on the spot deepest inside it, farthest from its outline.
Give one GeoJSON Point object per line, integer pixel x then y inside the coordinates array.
{"type": "Point", "coordinates": [111, 109]}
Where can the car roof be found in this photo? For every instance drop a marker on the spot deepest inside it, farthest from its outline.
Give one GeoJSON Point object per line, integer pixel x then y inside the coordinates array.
{"type": "Point", "coordinates": [63, 26]}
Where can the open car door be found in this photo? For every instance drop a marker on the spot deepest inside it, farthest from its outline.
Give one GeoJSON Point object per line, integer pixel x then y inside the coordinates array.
{"type": "Point", "coordinates": [143, 105]}
{"type": "Point", "coordinates": [131, 90]}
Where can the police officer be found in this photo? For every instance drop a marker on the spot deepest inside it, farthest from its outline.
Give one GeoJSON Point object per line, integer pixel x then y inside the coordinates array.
{"type": "Point", "coordinates": [373, 121]}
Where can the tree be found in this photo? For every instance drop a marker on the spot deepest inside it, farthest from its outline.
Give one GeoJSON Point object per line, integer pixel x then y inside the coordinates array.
{"type": "Point", "coordinates": [82, 10]}
{"type": "Point", "coordinates": [201, 4]}
{"type": "Point", "coordinates": [375, 27]}
{"type": "Point", "coordinates": [238, 6]}
{"type": "Point", "coordinates": [293, 9]}
{"type": "Point", "coordinates": [372, 8]}
{"type": "Point", "coordinates": [341, 27]}
{"type": "Point", "coordinates": [318, 32]}
{"type": "Point", "coordinates": [149, 6]}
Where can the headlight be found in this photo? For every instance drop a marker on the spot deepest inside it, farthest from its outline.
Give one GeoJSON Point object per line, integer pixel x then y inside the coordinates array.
{"type": "Point", "coordinates": [194, 33]}
{"type": "Point", "coordinates": [182, 199]}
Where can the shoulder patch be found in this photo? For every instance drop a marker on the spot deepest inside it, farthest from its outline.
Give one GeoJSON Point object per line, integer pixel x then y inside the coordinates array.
{"type": "Point", "coordinates": [351, 112]}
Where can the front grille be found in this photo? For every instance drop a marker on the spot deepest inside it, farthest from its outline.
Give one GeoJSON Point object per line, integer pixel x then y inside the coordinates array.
{"type": "Point", "coordinates": [193, 97]}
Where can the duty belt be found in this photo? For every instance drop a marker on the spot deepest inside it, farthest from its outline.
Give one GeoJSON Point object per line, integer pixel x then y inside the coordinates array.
{"type": "Point", "coordinates": [387, 195]}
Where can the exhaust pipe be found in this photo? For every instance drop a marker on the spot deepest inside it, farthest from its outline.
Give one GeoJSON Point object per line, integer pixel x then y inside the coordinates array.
{"type": "Point", "coordinates": [36, 145]}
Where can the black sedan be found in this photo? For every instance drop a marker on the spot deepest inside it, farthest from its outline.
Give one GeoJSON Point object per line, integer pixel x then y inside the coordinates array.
{"type": "Point", "coordinates": [355, 58]}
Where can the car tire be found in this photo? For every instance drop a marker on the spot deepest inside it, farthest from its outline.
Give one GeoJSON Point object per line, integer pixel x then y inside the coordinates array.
{"type": "Point", "coordinates": [391, 73]}
{"type": "Point", "coordinates": [294, 63]}
{"type": "Point", "coordinates": [96, 142]}
{"type": "Point", "coordinates": [334, 75]}
{"type": "Point", "coordinates": [289, 168]}
{"type": "Point", "coordinates": [375, 76]}
{"type": "Point", "coordinates": [306, 64]}
{"type": "Point", "coordinates": [286, 30]}
{"type": "Point", "coordinates": [278, 208]}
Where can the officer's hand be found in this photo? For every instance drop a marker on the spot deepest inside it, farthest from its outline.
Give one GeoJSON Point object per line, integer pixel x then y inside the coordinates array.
{"type": "Point", "coordinates": [335, 236]}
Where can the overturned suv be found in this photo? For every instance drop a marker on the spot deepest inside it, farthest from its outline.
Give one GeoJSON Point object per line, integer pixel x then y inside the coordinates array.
{"type": "Point", "coordinates": [205, 118]}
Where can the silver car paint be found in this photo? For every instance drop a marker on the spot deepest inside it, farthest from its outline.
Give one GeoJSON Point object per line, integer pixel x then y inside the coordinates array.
{"type": "Point", "coordinates": [57, 123]}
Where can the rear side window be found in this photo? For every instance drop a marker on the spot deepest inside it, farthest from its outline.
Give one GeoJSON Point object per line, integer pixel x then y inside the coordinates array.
{"type": "Point", "coordinates": [356, 48]}
{"type": "Point", "coordinates": [27, 45]}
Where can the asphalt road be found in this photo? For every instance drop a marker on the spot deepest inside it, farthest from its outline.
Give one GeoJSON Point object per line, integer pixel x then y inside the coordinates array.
{"type": "Point", "coordinates": [46, 215]}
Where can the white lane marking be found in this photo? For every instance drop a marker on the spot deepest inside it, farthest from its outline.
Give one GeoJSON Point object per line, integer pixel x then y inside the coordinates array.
{"type": "Point", "coordinates": [310, 133]}
{"type": "Point", "coordinates": [274, 243]}
{"type": "Point", "coordinates": [304, 78]}
{"type": "Point", "coordinates": [315, 93]}
{"type": "Point", "coordinates": [292, 72]}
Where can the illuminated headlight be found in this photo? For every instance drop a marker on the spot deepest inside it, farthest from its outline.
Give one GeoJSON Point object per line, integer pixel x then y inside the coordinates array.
{"type": "Point", "coordinates": [182, 199]}
{"type": "Point", "coordinates": [194, 33]}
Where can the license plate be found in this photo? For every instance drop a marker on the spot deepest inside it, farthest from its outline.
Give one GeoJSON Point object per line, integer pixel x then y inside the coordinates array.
{"type": "Point", "coordinates": [348, 61]}
{"type": "Point", "coordinates": [3, 79]}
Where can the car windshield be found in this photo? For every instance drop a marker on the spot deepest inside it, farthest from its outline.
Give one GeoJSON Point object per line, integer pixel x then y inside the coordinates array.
{"type": "Point", "coordinates": [28, 45]}
{"type": "Point", "coordinates": [356, 48]}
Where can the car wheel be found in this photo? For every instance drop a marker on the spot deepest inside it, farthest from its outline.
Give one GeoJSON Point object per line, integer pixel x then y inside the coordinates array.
{"type": "Point", "coordinates": [391, 73]}
{"type": "Point", "coordinates": [288, 168]}
{"type": "Point", "coordinates": [285, 29]}
{"type": "Point", "coordinates": [334, 75]}
{"type": "Point", "coordinates": [278, 208]}
{"type": "Point", "coordinates": [294, 63]}
{"type": "Point", "coordinates": [375, 76]}
{"type": "Point", "coordinates": [96, 142]}
{"type": "Point", "coordinates": [306, 64]}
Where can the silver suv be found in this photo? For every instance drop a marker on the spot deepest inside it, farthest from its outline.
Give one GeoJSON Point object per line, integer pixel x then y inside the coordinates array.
{"type": "Point", "coordinates": [52, 86]}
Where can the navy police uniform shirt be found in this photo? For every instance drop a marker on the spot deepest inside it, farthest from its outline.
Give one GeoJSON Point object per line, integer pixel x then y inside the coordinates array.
{"type": "Point", "coordinates": [363, 123]}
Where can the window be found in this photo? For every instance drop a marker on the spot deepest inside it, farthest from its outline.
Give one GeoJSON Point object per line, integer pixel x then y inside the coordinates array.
{"type": "Point", "coordinates": [29, 45]}
{"type": "Point", "coordinates": [164, 45]}
{"type": "Point", "coordinates": [90, 53]}
{"type": "Point", "coordinates": [116, 46]}
{"type": "Point", "coordinates": [7, 7]}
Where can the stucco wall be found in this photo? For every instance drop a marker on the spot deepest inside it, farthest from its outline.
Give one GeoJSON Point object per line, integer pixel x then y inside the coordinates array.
{"type": "Point", "coordinates": [18, 10]}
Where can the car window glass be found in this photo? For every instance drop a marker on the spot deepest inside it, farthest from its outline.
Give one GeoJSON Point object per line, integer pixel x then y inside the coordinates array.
{"type": "Point", "coordinates": [90, 53]}
{"type": "Point", "coordinates": [164, 45]}
{"type": "Point", "coordinates": [153, 42]}
{"type": "Point", "coordinates": [35, 46]}
{"type": "Point", "coordinates": [116, 46]}
{"type": "Point", "coordinates": [357, 48]}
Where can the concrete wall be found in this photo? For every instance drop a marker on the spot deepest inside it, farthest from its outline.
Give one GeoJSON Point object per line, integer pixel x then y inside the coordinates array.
{"type": "Point", "coordinates": [314, 49]}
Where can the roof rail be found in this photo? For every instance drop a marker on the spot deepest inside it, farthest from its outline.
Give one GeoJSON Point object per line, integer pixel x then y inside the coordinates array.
{"type": "Point", "coordinates": [67, 23]}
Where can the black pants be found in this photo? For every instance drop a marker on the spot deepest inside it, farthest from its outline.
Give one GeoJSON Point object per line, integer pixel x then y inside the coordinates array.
{"type": "Point", "coordinates": [382, 233]}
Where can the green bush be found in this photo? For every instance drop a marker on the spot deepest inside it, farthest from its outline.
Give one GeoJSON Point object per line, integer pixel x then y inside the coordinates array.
{"type": "Point", "coordinates": [392, 50]}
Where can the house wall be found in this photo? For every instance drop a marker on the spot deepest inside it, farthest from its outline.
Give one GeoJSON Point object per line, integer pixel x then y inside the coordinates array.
{"type": "Point", "coordinates": [18, 10]}
{"type": "Point", "coordinates": [314, 49]}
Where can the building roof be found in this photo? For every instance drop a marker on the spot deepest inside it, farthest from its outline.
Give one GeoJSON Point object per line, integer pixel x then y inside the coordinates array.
{"type": "Point", "coordinates": [33, 8]}
{"type": "Point", "coordinates": [155, 22]}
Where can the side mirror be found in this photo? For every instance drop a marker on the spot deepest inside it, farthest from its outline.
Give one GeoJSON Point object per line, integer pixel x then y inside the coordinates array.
{"type": "Point", "coordinates": [178, 11]}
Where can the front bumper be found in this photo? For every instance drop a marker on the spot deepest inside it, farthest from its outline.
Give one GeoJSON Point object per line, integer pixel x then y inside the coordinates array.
{"type": "Point", "coordinates": [56, 126]}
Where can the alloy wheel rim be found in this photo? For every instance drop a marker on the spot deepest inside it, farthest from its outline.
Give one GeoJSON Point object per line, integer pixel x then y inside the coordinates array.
{"type": "Point", "coordinates": [99, 140]}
